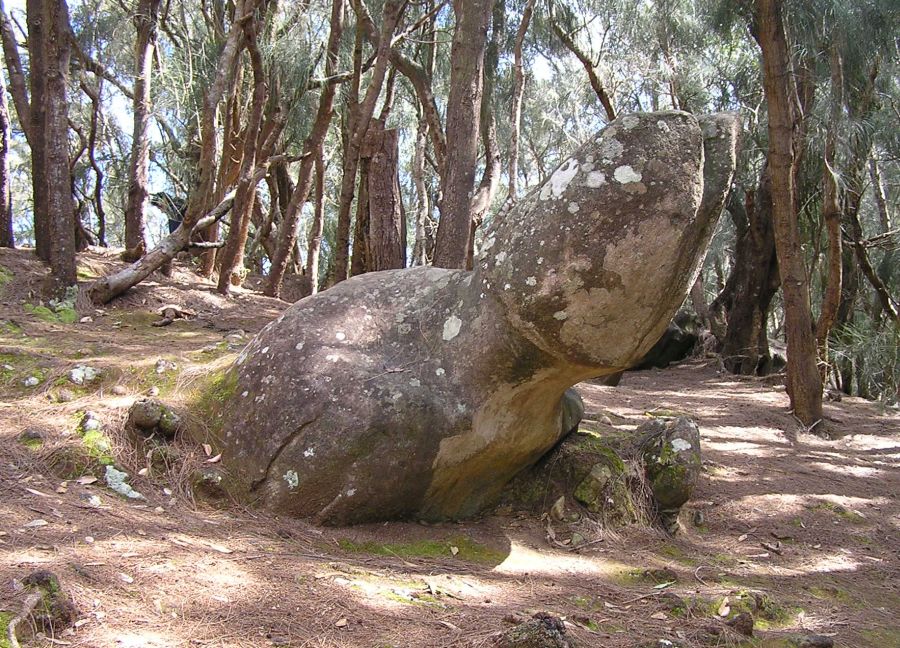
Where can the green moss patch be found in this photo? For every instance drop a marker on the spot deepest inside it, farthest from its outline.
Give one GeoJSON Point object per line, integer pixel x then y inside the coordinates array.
{"type": "Point", "coordinates": [466, 549]}
{"type": "Point", "coordinates": [845, 514]}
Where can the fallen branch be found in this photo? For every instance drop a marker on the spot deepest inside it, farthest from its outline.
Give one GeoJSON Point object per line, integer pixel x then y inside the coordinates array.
{"type": "Point", "coordinates": [28, 606]}
{"type": "Point", "coordinates": [107, 288]}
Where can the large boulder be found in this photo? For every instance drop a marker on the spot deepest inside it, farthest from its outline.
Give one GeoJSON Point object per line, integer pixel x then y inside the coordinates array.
{"type": "Point", "coordinates": [420, 393]}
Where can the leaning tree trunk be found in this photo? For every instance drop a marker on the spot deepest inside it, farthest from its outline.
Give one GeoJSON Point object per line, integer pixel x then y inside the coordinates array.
{"type": "Point", "coordinates": [109, 287]}
{"type": "Point", "coordinates": [804, 385]}
{"type": "Point", "coordinates": [7, 239]}
{"type": "Point", "coordinates": [463, 122]}
{"type": "Point", "coordinates": [145, 22]}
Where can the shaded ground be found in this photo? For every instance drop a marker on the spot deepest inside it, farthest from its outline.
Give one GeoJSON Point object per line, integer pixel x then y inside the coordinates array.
{"type": "Point", "coordinates": [171, 572]}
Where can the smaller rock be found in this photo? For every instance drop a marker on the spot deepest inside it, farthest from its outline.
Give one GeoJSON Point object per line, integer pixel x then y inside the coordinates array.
{"type": "Point", "coordinates": [577, 539]}
{"type": "Point", "coordinates": [207, 483]}
{"type": "Point", "coordinates": [31, 381]}
{"type": "Point", "coordinates": [163, 366]}
{"type": "Point", "coordinates": [558, 510]}
{"type": "Point", "coordinates": [115, 479]}
{"type": "Point", "coordinates": [31, 436]}
{"type": "Point", "coordinates": [671, 454]}
{"type": "Point", "coordinates": [606, 420]}
{"type": "Point", "coordinates": [56, 611]}
{"type": "Point", "coordinates": [119, 390]}
{"type": "Point", "coordinates": [148, 416]}
{"type": "Point", "coordinates": [8, 367]}
{"type": "Point", "coordinates": [742, 624]}
{"type": "Point", "coordinates": [90, 422]}
{"type": "Point", "coordinates": [82, 374]}
{"type": "Point", "coordinates": [65, 396]}
{"type": "Point", "coordinates": [543, 630]}
{"type": "Point", "coordinates": [699, 519]}
{"type": "Point", "coordinates": [153, 391]}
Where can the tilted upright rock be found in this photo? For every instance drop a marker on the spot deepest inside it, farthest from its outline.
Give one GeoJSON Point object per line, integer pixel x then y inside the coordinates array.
{"type": "Point", "coordinates": [419, 393]}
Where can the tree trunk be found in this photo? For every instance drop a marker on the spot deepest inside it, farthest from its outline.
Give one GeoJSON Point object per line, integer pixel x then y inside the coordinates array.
{"type": "Point", "coordinates": [423, 209]}
{"type": "Point", "coordinates": [490, 178]}
{"type": "Point", "coordinates": [386, 246]}
{"type": "Point", "coordinates": [233, 255]}
{"type": "Point", "coordinates": [312, 149]}
{"type": "Point", "coordinates": [831, 213]}
{"type": "Point", "coordinates": [804, 384]}
{"type": "Point", "coordinates": [315, 231]}
{"type": "Point", "coordinates": [359, 260]}
{"type": "Point", "coordinates": [37, 77]}
{"type": "Point", "coordinates": [7, 239]}
{"type": "Point", "coordinates": [145, 22]}
{"type": "Point", "coordinates": [518, 94]}
{"type": "Point", "coordinates": [747, 295]}
{"type": "Point", "coordinates": [463, 122]}
{"type": "Point", "coordinates": [359, 124]}
{"type": "Point", "coordinates": [60, 206]}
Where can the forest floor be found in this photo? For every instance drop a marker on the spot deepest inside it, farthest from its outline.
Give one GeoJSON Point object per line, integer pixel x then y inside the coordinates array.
{"type": "Point", "coordinates": [804, 532]}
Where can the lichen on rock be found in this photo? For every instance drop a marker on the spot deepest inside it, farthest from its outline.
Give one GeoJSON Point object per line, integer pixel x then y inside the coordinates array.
{"type": "Point", "coordinates": [425, 391]}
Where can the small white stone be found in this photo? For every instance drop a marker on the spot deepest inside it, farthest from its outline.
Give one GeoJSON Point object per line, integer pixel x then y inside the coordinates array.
{"type": "Point", "coordinates": [299, 346]}
{"type": "Point", "coordinates": [265, 350]}
{"type": "Point", "coordinates": [292, 479]}
{"type": "Point", "coordinates": [540, 260]}
{"type": "Point", "coordinates": [506, 286]}
{"type": "Point", "coordinates": [245, 394]}
{"type": "Point", "coordinates": [340, 335]}
{"type": "Point", "coordinates": [439, 371]}
{"type": "Point", "coordinates": [351, 492]}
{"type": "Point", "coordinates": [531, 281]}
{"type": "Point", "coordinates": [309, 452]}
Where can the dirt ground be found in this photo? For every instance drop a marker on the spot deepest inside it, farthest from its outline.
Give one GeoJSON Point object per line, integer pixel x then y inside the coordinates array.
{"type": "Point", "coordinates": [804, 532]}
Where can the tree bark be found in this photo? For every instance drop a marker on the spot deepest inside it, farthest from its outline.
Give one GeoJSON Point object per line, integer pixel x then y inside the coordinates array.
{"type": "Point", "coordinates": [359, 124]}
{"type": "Point", "coordinates": [831, 214]}
{"type": "Point", "coordinates": [312, 149]}
{"type": "Point", "coordinates": [315, 232]}
{"type": "Point", "coordinates": [420, 256]}
{"type": "Point", "coordinates": [7, 238]}
{"type": "Point", "coordinates": [747, 295]}
{"type": "Point", "coordinates": [145, 23]}
{"type": "Point", "coordinates": [804, 385]}
{"type": "Point", "coordinates": [518, 95]}
{"type": "Point", "coordinates": [233, 254]}
{"type": "Point", "coordinates": [490, 178]}
{"type": "Point", "coordinates": [463, 122]}
{"type": "Point", "coordinates": [386, 249]}
{"type": "Point", "coordinates": [56, 49]}
{"type": "Point", "coordinates": [37, 77]}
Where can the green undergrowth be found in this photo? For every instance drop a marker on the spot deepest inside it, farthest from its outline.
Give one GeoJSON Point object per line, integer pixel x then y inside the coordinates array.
{"type": "Point", "coordinates": [5, 618]}
{"type": "Point", "coordinates": [467, 549]}
{"type": "Point", "coordinates": [767, 613]}
{"type": "Point", "coordinates": [845, 514]}
{"type": "Point", "coordinates": [882, 637]}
